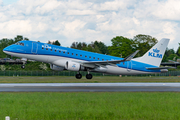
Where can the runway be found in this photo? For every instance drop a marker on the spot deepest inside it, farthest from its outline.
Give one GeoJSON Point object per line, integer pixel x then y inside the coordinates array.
{"type": "Point", "coordinates": [89, 87]}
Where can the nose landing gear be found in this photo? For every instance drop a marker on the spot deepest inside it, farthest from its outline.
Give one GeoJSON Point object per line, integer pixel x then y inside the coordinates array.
{"type": "Point", "coordinates": [22, 66]}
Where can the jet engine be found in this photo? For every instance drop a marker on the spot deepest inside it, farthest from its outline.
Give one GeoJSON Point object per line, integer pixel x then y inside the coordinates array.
{"type": "Point", "coordinates": [57, 68]}
{"type": "Point", "coordinates": [73, 66]}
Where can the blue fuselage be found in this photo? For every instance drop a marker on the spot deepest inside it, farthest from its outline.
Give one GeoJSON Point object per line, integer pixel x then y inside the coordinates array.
{"type": "Point", "coordinates": [35, 50]}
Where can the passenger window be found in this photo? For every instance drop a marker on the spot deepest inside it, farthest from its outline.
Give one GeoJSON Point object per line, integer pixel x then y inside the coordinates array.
{"type": "Point", "coordinates": [42, 48]}
{"type": "Point", "coordinates": [89, 56]}
{"type": "Point", "coordinates": [102, 59]}
{"type": "Point", "coordinates": [86, 56]}
{"type": "Point", "coordinates": [51, 49]}
{"type": "Point", "coordinates": [76, 54]}
{"type": "Point", "coordinates": [64, 52]}
{"type": "Point", "coordinates": [46, 48]}
{"type": "Point", "coordinates": [81, 55]}
{"type": "Point", "coordinates": [94, 57]}
{"type": "Point", "coordinates": [72, 53]}
{"type": "Point", "coordinates": [68, 52]}
{"type": "Point", "coordinates": [98, 58]}
{"type": "Point", "coordinates": [59, 51]}
{"type": "Point", "coordinates": [55, 50]}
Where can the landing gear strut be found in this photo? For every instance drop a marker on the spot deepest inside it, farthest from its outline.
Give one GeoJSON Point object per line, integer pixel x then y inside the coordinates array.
{"type": "Point", "coordinates": [89, 76]}
{"type": "Point", "coordinates": [23, 66]}
{"type": "Point", "coordinates": [78, 76]}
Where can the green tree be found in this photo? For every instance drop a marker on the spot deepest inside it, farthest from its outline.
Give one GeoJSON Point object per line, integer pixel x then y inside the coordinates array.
{"type": "Point", "coordinates": [49, 42]}
{"type": "Point", "coordinates": [168, 53]}
{"type": "Point", "coordinates": [93, 48]}
{"type": "Point", "coordinates": [172, 57]}
{"type": "Point", "coordinates": [55, 43]}
{"type": "Point", "coordinates": [18, 38]}
{"type": "Point", "coordinates": [26, 38]}
{"type": "Point", "coordinates": [143, 43]}
{"type": "Point", "coordinates": [102, 47]}
{"type": "Point", "coordinates": [79, 45]}
{"type": "Point", "coordinates": [121, 46]}
{"type": "Point", "coordinates": [74, 45]}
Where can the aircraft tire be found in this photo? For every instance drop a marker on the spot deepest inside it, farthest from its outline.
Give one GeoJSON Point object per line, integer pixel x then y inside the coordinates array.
{"type": "Point", "coordinates": [89, 76]}
{"type": "Point", "coordinates": [78, 76]}
{"type": "Point", "coordinates": [22, 66]}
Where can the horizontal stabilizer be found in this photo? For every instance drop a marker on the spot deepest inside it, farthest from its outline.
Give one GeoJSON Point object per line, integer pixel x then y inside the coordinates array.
{"type": "Point", "coordinates": [159, 68]}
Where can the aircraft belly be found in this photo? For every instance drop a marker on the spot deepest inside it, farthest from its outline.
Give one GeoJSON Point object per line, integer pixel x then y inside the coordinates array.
{"type": "Point", "coordinates": [123, 71]}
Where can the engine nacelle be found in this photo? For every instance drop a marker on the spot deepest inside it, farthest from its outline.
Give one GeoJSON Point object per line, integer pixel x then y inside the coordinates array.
{"type": "Point", "coordinates": [57, 68]}
{"type": "Point", "coordinates": [73, 66]}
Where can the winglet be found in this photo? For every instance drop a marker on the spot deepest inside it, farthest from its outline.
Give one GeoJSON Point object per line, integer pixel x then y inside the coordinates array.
{"type": "Point", "coordinates": [128, 58]}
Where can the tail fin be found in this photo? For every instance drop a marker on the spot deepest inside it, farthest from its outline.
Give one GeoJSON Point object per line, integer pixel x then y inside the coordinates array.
{"type": "Point", "coordinates": [155, 54]}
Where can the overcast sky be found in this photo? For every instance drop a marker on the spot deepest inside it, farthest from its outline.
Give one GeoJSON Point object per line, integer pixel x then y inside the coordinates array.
{"type": "Point", "coordinates": [90, 20]}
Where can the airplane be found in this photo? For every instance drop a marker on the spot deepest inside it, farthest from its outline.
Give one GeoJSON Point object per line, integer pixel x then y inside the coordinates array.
{"type": "Point", "coordinates": [63, 58]}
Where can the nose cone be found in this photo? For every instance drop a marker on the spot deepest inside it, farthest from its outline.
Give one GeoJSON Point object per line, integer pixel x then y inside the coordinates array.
{"type": "Point", "coordinates": [7, 49]}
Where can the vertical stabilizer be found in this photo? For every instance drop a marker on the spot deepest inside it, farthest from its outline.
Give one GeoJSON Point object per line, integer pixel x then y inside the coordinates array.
{"type": "Point", "coordinates": [155, 55]}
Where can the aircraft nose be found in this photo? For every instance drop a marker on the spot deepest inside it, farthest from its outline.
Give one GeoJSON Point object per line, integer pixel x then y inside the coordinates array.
{"type": "Point", "coordinates": [6, 49]}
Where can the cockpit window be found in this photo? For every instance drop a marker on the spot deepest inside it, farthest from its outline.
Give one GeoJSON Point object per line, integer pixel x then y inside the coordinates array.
{"type": "Point", "coordinates": [20, 43]}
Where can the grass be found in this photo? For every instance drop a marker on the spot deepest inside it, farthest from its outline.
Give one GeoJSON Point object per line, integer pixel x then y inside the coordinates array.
{"type": "Point", "coordinates": [96, 79]}
{"type": "Point", "coordinates": [88, 105]}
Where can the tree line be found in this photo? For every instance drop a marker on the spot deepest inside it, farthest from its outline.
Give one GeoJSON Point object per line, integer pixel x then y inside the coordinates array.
{"type": "Point", "coordinates": [120, 46]}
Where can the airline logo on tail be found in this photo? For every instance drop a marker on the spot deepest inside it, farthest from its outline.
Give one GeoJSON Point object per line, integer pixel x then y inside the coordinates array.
{"type": "Point", "coordinates": [155, 53]}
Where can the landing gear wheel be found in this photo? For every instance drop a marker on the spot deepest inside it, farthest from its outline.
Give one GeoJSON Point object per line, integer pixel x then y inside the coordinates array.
{"type": "Point", "coordinates": [78, 76]}
{"type": "Point", "coordinates": [22, 66]}
{"type": "Point", "coordinates": [89, 76]}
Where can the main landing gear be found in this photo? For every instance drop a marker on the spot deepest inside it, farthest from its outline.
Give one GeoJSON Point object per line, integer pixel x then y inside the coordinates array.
{"type": "Point", "coordinates": [79, 76]}
{"type": "Point", "coordinates": [89, 76]}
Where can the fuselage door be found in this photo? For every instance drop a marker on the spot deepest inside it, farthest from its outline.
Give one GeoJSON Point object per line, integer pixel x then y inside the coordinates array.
{"type": "Point", "coordinates": [34, 47]}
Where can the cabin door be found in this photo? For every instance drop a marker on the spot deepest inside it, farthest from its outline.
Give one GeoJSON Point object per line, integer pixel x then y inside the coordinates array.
{"type": "Point", "coordinates": [34, 47]}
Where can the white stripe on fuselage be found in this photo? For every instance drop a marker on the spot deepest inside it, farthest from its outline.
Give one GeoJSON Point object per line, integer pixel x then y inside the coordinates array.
{"type": "Point", "coordinates": [61, 61]}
